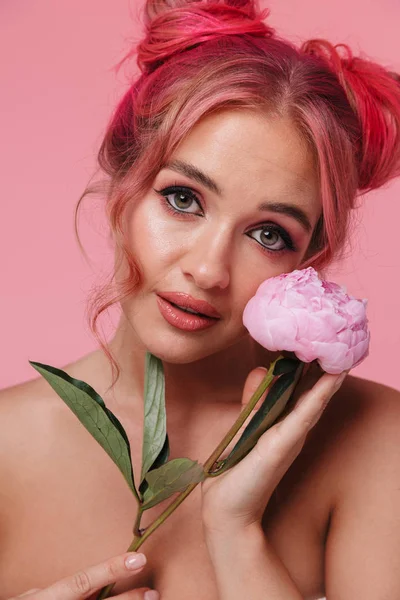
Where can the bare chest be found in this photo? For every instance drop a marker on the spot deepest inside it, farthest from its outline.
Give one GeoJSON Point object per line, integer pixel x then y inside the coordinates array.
{"type": "Point", "coordinates": [76, 510]}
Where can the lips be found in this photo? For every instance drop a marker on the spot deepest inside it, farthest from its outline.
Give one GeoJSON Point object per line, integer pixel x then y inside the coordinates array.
{"type": "Point", "coordinates": [186, 301]}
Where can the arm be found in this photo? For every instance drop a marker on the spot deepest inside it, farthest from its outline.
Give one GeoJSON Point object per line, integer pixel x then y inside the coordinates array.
{"type": "Point", "coordinates": [246, 566]}
{"type": "Point", "coordinates": [363, 544]}
{"type": "Point", "coordinates": [234, 502]}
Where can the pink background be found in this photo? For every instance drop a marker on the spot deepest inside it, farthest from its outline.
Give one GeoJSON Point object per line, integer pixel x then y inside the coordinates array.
{"type": "Point", "coordinates": [58, 90]}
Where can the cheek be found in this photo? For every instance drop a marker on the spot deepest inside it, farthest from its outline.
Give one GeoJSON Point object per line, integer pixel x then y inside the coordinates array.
{"type": "Point", "coordinates": [244, 285]}
{"type": "Point", "coordinates": [252, 272]}
{"type": "Point", "coordinates": [154, 240]}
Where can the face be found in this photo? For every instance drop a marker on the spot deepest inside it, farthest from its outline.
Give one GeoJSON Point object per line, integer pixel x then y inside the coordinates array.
{"type": "Point", "coordinates": [235, 205]}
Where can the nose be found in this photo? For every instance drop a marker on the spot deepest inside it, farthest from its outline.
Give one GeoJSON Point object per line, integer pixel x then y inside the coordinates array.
{"type": "Point", "coordinates": [207, 259]}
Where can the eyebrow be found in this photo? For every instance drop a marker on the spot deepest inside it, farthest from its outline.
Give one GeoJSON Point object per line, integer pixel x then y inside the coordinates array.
{"type": "Point", "coordinates": [288, 209]}
{"type": "Point", "coordinates": [196, 174]}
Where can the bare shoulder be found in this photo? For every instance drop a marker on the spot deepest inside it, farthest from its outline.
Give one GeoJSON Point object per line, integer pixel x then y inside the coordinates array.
{"type": "Point", "coordinates": [35, 424]}
{"type": "Point", "coordinates": [34, 407]}
{"type": "Point", "coordinates": [359, 427]}
{"type": "Point", "coordinates": [23, 405]}
{"type": "Point", "coordinates": [32, 418]}
{"type": "Point", "coordinates": [364, 414]}
{"type": "Point", "coordinates": [362, 426]}
{"type": "Point", "coordinates": [368, 395]}
{"type": "Point", "coordinates": [367, 423]}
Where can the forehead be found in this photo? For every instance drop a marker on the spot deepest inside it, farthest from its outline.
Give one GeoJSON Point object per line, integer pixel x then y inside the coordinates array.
{"type": "Point", "coordinates": [260, 156]}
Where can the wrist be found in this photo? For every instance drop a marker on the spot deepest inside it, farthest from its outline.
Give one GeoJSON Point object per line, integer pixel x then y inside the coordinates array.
{"type": "Point", "coordinates": [233, 536]}
{"type": "Point", "coordinates": [246, 565]}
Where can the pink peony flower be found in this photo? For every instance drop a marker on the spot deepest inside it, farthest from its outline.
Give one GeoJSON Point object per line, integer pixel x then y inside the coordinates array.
{"type": "Point", "coordinates": [315, 319]}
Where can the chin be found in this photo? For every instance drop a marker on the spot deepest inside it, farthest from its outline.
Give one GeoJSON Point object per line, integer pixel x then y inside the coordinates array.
{"type": "Point", "coordinates": [179, 351]}
{"type": "Point", "coordinates": [175, 346]}
{"type": "Point", "coordinates": [175, 349]}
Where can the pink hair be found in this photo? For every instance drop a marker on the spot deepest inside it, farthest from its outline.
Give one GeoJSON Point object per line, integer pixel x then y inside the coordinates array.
{"type": "Point", "coordinates": [202, 56]}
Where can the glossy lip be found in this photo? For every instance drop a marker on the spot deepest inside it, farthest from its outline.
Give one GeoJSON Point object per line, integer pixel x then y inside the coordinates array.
{"type": "Point", "coordinates": [187, 301]}
{"type": "Point", "coordinates": [182, 320]}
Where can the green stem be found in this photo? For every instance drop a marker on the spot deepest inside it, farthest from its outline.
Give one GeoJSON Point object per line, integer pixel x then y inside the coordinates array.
{"type": "Point", "coordinates": [240, 420]}
{"type": "Point", "coordinates": [138, 540]}
{"type": "Point", "coordinates": [136, 527]}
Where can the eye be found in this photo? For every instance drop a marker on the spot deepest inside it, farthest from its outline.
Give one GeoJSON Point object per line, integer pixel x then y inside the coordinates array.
{"type": "Point", "coordinates": [272, 238]}
{"type": "Point", "coordinates": [181, 199]}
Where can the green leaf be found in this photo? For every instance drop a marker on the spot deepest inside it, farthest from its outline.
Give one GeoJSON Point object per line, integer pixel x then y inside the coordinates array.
{"type": "Point", "coordinates": [273, 406]}
{"type": "Point", "coordinates": [155, 419]}
{"type": "Point", "coordinates": [161, 459]}
{"type": "Point", "coordinates": [285, 365]}
{"type": "Point", "coordinates": [90, 409]}
{"type": "Point", "coordinates": [172, 477]}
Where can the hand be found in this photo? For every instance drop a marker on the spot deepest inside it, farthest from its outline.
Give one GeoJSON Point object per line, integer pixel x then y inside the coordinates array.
{"type": "Point", "coordinates": [93, 579]}
{"type": "Point", "coordinates": [238, 497]}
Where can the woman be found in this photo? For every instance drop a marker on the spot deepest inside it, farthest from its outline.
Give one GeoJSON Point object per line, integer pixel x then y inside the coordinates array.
{"type": "Point", "coordinates": [234, 158]}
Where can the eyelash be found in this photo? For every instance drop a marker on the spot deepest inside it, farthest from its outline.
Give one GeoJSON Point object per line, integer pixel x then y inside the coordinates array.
{"type": "Point", "coordinates": [175, 189]}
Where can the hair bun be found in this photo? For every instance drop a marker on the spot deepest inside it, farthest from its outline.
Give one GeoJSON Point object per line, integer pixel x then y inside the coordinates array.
{"type": "Point", "coordinates": [176, 25]}
{"type": "Point", "coordinates": [155, 8]}
{"type": "Point", "coordinates": [374, 94]}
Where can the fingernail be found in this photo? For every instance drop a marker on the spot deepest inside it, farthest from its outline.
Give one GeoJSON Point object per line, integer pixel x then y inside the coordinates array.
{"type": "Point", "coordinates": [151, 595]}
{"type": "Point", "coordinates": [135, 561]}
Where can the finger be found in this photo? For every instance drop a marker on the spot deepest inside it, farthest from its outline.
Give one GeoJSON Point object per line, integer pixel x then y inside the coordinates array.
{"type": "Point", "coordinates": [252, 382]}
{"type": "Point", "coordinates": [83, 584]}
{"type": "Point", "coordinates": [142, 593]}
{"type": "Point", "coordinates": [311, 374]}
{"type": "Point", "coordinates": [312, 402]}
{"type": "Point", "coordinates": [286, 434]}
{"type": "Point", "coordinates": [32, 591]}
